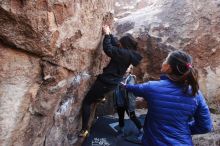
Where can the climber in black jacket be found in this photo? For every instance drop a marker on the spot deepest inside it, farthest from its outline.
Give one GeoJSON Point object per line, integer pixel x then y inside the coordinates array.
{"type": "Point", "coordinates": [122, 54]}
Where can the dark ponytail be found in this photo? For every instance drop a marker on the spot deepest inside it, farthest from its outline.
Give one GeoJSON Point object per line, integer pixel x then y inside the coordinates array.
{"type": "Point", "coordinates": [192, 80]}
{"type": "Point", "coordinates": [182, 71]}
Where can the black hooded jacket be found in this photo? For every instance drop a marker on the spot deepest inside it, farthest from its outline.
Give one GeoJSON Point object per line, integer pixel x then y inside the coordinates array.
{"type": "Point", "coordinates": [121, 58]}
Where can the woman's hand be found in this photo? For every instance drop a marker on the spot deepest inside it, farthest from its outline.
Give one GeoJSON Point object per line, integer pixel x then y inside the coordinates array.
{"type": "Point", "coordinates": [106, 29]}
{"type": "Point", "coordinates": [122, 84]}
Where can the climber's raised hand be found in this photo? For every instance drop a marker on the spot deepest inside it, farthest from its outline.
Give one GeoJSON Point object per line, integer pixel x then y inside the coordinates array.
{"type": "Point", "coordinates": [106, 29]}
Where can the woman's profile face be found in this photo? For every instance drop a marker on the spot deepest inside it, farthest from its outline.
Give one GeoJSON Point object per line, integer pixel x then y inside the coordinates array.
{"type": "Point", "coordinates": [165, 68]}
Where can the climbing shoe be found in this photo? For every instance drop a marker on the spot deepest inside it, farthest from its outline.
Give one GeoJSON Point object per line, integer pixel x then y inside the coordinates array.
{"type": "Point", "coordinates": [83, 133]}
{"type": "Point", "coordinates": [121, 131]}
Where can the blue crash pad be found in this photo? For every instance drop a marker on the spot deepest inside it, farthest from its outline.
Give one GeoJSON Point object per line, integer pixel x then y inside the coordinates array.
{"type": "Point", "coordinates": [104, 133]}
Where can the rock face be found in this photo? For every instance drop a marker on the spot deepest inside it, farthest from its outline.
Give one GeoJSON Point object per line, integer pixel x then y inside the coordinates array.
{"type": "Point", "coordinates": [164, 25]}
{"type": "Point", "coordinates": [49, 54]}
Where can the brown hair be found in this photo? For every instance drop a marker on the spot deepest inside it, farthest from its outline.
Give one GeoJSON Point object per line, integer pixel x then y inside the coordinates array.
{"type": "Point", "coordinates": [182, 70]}
{"type": "Point", "coordinates": [128, 42]}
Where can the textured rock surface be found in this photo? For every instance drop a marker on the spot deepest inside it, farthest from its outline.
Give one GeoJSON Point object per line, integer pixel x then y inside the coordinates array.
{"type": "Point", "coordinates": [18, 86]}
{"type": "Point", "coordinates": [164, 25]}
{"type": "Point", "coordinates": [47, 51]}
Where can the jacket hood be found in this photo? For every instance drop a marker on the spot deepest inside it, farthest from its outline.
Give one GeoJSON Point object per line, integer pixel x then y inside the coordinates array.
{"type": "Point", "coordinates": [135, 58]}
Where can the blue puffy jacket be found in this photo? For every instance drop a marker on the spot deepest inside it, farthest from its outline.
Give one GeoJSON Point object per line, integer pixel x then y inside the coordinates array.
{"type": "Point", "coordinates": [173, 116]}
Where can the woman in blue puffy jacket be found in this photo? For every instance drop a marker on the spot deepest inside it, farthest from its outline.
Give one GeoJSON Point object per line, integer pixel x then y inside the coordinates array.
{"type": "Point", "coordinates": [176, 106]}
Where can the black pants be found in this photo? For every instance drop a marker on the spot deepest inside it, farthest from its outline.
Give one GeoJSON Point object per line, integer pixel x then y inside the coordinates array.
{"type": "Point", "coordinates": [95, 94]}
{"type": "Point", "coordinates": [121, 112]}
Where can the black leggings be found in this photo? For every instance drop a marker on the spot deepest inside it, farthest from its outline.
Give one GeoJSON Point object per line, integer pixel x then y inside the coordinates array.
{"type": "Point", "coordinates": [121, 112]}
{"type": "Point", "coordinates": [95, 94]}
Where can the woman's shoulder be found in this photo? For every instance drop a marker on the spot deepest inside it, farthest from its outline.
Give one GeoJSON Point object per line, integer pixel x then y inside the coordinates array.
{"type": "Point", "coordinates": [160, 84]}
